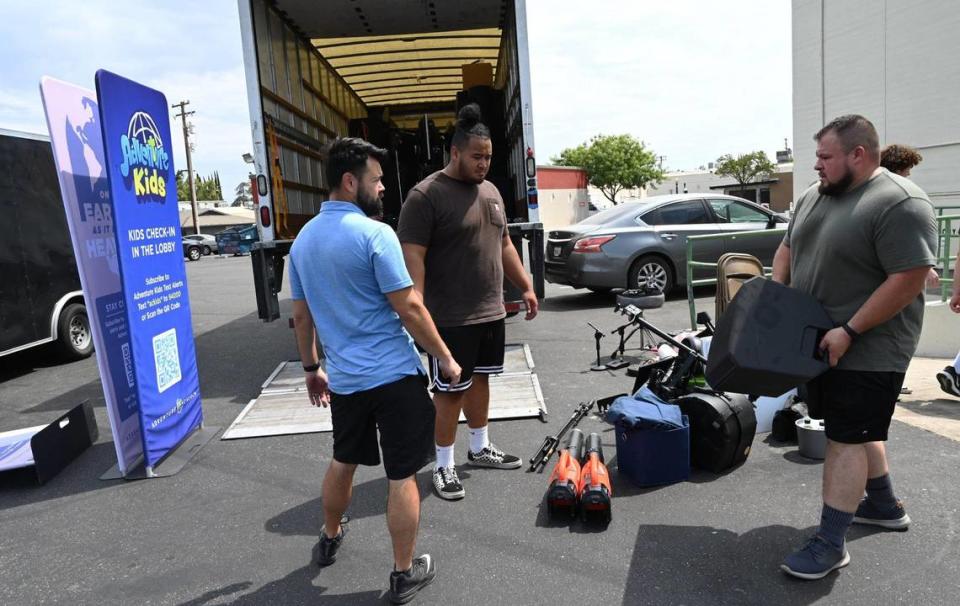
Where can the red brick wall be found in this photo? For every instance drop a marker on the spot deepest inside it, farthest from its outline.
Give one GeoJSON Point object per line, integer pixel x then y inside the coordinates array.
{"type": "Point", "coordinates": [554, 177]}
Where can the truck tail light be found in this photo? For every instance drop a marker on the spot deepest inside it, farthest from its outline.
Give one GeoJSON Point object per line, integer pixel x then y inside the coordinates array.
{"type": "Point", "coordinates": [265, 216]}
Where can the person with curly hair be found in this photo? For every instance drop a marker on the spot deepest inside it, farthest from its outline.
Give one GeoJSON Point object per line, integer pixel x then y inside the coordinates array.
{"type": "Point", "coordinates": [900, 159]}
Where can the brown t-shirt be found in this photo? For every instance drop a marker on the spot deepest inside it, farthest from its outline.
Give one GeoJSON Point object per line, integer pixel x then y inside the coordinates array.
{"type": "Point", "coordinates": [462, 225]}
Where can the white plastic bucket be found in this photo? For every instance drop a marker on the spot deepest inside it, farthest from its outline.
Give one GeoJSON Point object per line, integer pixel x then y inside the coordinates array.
{"type": "Point", "coordinates": [811, 438]}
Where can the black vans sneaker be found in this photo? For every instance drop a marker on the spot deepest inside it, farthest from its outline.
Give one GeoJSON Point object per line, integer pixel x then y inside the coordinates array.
{"type": "Point", "coordinates": [405, 585]}
{"type": "Point", "coordinates": [491, 456]}
{"type": "Point", "coordinates": [329, 547]}
{"type": "Point", "coordinates": [446, 483]}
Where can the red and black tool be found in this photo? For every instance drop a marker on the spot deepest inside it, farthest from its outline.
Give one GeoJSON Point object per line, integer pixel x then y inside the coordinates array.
{"type": "Point", "coordinates": [564, 487]}
{"type": "Point", "coordinates": [594, 486]}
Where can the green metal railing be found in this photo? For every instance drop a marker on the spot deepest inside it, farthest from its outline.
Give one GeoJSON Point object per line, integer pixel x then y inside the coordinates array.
{"type": "Point", "coordinates": [691, 264]}
{"type": "Point", "coordinates": [944, 245]}
{"type": "Point", "coordinates": [945, 239]}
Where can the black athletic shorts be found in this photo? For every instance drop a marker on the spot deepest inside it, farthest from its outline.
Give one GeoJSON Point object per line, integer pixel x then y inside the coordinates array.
{"type": "Point", "coordinates": [856, 406]}
{"type": "Point", "coordinates": [404, 414]}
{"type": "Point", "coordinates": [477, 348]}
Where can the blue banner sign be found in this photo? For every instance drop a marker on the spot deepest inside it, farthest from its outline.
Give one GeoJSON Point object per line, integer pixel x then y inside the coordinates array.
{"type": "Point", "coordinates": [139, 163]}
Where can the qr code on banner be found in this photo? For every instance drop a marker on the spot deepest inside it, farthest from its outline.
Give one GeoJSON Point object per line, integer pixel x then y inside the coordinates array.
{"type": "Point", "coordinates": [167, 359]}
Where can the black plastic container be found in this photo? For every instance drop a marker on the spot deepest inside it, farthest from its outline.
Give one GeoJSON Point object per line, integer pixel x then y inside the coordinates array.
{"type": "Point", "coordinates": [767, 340]}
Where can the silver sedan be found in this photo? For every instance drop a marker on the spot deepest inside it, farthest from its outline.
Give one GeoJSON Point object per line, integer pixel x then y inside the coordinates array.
{"type": "Point", "coordinates": [644, 243]}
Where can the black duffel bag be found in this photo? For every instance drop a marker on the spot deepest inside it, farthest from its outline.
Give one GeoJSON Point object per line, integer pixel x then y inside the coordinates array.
{"type": "Point", "coordinates": [722, 427]}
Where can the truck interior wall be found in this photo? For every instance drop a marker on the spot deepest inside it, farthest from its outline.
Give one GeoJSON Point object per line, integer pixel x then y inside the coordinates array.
{"type": "Point", "coordinates": [306, 104]}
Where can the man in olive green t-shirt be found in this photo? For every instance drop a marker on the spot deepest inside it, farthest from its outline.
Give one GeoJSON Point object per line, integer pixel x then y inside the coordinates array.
{"type": "Point", "coordinates": [862, 242]}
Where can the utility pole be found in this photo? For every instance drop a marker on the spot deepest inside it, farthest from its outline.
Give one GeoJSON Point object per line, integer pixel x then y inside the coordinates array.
{"type": "Point", "coordinates": [660, 160]}
{"type": "Point", "coordinates": [186, 141]}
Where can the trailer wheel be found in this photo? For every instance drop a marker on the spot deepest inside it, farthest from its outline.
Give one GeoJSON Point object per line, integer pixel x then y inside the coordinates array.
{"type": "Point", "coordinates": [74, 338]}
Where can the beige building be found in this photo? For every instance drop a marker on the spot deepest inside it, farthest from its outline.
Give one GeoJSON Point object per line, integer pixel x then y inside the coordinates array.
{"type": "Point", "coordinates": [564, 197]}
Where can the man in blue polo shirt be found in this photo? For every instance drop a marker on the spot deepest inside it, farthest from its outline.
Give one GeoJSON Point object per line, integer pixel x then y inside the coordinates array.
{"type": "Point", "coordinates": [351, 289]}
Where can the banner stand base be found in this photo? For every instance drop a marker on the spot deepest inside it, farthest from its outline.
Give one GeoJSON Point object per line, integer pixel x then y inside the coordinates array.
{"type": "Point", "coordinates": [172, 463]}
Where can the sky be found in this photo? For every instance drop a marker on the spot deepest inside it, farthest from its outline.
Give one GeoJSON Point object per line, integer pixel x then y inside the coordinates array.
{"type": "Point", "coordinates": [692, 79]}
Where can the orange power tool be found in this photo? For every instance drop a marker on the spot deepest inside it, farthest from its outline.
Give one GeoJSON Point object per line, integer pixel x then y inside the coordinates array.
{"type": "Point", "coordinates": [562, 495]}
{"type": "Point", "coordinates": [594, 486]}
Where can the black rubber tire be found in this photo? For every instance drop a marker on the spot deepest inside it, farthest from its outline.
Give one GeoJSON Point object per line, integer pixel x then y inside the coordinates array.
{"type": "Point", "coordinates": [206, 251]}
{"type": "Point", "coordinates": [194, 253]}
{"type": "Point", "coordinates": [74, 337]}
{"type": "Point", "coordinates": [648, 263]}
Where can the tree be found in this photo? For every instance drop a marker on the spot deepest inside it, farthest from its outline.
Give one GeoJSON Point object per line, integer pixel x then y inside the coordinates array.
{"type": "Point", "coordinates": [243, 195]}
{"type": "Point", "coordinates": [183, 186]}
{"type": "Point", "coordinates": [613, 163]}
{"type": "Point", "coordinates": [746, 168]}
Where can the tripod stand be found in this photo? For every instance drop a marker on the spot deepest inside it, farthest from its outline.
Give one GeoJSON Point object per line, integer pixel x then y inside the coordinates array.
{"type": "Point", "coordinates": [633, 313]}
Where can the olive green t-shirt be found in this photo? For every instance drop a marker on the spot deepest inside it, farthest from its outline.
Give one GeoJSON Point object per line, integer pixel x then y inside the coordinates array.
{"type": "Point", "coordinates": [462, 225]}
{"type": "Point", "coordinates": [842, 248]}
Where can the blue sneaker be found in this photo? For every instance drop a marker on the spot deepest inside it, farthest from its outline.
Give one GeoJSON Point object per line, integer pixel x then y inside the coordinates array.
{"type": "Point", "coordinates": [893, 518]}
{"type": "Point", "coordinates": [815, 560]}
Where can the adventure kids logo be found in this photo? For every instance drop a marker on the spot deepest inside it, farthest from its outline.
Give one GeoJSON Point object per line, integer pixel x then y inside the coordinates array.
{"type": "Point", "coordinates": [146, 164]}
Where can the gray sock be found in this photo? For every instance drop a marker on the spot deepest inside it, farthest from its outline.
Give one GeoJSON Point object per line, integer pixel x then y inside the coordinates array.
{"type": "Point", "coordinates": [834, 524]}
{"type": "Point", "coordinates": [880, 492]}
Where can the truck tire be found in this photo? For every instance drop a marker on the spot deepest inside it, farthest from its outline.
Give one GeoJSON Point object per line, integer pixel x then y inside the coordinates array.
{"type": "Point", "coordinates": [74, 338]}
{"type": "Point", "coordinates": [193, 253]}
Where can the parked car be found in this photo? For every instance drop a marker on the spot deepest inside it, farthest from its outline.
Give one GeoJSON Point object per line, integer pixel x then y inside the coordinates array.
{"type": "Point", "coordinates": [644, 243]}
{"type": "Point", "coordinates": [237, 240]}
{"type": "Point", "coordinates": [192, 250]}
{"type": "Point", "coordinates": [208, 243]}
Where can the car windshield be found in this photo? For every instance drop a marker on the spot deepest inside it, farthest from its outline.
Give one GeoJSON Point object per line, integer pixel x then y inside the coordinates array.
{"type": "Point", "coordinates": [610, 215]}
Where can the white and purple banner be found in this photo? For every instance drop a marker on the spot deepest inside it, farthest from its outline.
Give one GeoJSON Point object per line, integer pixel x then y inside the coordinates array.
{"type": "Point", "coordinates": [73, 120]}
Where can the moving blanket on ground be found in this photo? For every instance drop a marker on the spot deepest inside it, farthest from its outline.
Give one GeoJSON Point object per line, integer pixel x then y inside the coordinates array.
{"type": "Point", "coordinates": [644, 410]}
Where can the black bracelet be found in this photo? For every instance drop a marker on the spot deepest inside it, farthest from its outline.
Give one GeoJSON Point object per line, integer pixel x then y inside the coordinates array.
{"type": "Point", "coordinates": [311, 368]}
{"type": "Point", "coordinates": [851, 332]}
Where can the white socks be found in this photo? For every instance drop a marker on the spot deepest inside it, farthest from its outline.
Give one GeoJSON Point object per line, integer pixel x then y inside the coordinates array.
{"type": "Point", "coordinates": [478, 439]}
{"type": "Point", "coordinates": [444, 456]}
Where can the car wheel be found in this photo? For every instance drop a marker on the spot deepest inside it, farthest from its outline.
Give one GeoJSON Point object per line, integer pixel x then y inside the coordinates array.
{"type": "Point", "coordinates": [206, 250]}
{"type": "Point", "coordinates": [74, 338]}
{"type": "Point", "coordinates": [651, 271]}
{"type": "Point", "coordinates": [193, 253]}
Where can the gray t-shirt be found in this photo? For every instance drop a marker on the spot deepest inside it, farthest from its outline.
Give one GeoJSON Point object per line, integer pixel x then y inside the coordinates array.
{"type": "Point", "coordinates": [842, 248]}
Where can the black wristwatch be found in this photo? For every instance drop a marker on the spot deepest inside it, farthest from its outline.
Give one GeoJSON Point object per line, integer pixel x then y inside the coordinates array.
{"type": "Point", "coordinates": [850, 332]}
{"type": "Point", "coordinates": [311, 368]}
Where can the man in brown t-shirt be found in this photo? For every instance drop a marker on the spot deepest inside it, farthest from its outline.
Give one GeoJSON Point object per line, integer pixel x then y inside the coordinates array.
{"type": "Point", "coordinates": [453, 231]}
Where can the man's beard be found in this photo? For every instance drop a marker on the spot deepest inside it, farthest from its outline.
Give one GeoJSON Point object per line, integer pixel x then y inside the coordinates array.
{"type": "Point", "coordinates": [835, 189]}
{"type": "Point", "coordinates": [372, 206]}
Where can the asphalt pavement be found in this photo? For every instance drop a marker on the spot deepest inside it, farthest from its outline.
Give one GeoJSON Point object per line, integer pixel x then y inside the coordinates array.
{"type": "Point", "coordinates": [239, 524]}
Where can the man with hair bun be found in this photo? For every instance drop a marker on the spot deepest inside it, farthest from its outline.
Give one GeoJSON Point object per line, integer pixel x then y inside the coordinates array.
{"type": "Point", "coordinates": [453, 231]}
{"type": "Point", "coordinates": [861, 242]}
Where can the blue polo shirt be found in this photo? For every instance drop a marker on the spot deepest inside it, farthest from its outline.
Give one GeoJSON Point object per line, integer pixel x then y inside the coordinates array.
{"type": "Point", "coordinates": [343, 264]}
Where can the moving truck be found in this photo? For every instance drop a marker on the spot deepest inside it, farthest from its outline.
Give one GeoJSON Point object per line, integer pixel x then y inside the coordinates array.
{"type": "Point", "coordinates": [394, 72]}
{"type": "Point", "coordinates": [40, 296]}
